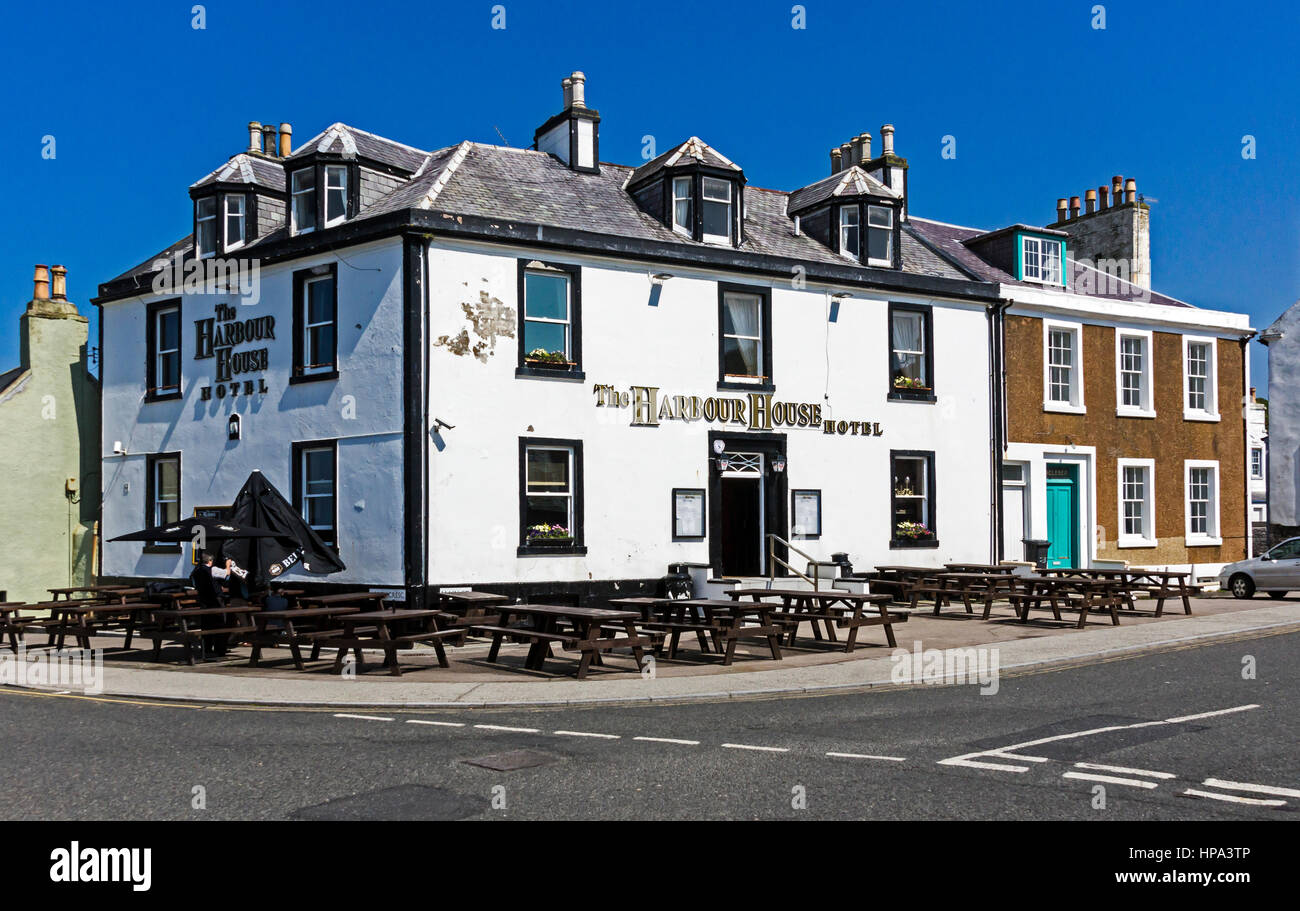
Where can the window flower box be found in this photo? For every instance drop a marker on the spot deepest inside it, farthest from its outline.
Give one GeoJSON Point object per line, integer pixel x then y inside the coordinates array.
{"type": "Point", "coordinates": [912, 531]}
{"type": "Point", "coordinates": [548, 536]}
{"type": "Point", "coordinates": [551, 360]}
{"type": "Point", "coordinates": [903, 383]}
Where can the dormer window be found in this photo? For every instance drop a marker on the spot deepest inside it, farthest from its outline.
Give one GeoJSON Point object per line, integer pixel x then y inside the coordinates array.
{"type": "Point", "coordinates": [303, 191]}
{"type": "Point", "coordinates": [880, 236]}
{"type": "Point", "coordinates": [683, 206]}
{"type": "Point", "coordinates": [205, 226]}
{"type": "Point", "coordinates": [1040, 260]}
{"type": "Point", "coordinates": [235, 220]}
{"type": "Point", "coordinates": [336, 194]}
{"type": "Point", "coordinates": [716, 210]}
{"type": "Point", "coordinates": [850, 224]}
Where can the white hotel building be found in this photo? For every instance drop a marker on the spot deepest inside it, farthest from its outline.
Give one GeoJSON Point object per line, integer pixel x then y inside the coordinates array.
{"type": "Point", "coordinates": [448, 354]}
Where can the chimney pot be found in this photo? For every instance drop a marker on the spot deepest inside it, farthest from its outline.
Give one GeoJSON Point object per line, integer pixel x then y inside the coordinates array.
{"type": "Point", "coordinates": [286, 140]}
{"type": "Point", "coordinates": [579, 89]}
{"type": "Point", "coordinates": [835, 161]}
{"type": "Point", "coordinates": [855, 144]}
{"type": "Point", "coordinates": [887, 139]}
{"type": "Point", "coordinates": [567, 84]}
{"type": "Point", "coordinates": [1102, 196]}
{"type": "Point", "coordinates": [1090, 201]}
{"type": "Point", "coordinates": [1130, 191]}
{"type": "Point", "coordinates": [1062, 210]}
{"type": "Point", "coordinates": [1116, 189]}
{"type": "Point", "coordinates": [59, 282]}
{"type": "Point", "coordinates": [866, 146]}
{"type": "Point", "coordinates": [268, 139]}
{"type": "Point", "coordinates": [846, 156]}
{"type": "Point", "coordinates": [254, 136]}
{"type": "Point", "coordinates": [1074, 207]}
{"type": "Point", "coordinates": [41, 282]}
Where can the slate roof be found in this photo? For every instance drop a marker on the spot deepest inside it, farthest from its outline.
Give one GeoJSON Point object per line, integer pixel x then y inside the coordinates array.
{"type": "Point", "coordinates": [849, 182]}
{"type": "Point", "coordinates": [249, 169]}
{"type": "Point", "coordinates": [352, 142]}
{"type": "Point", "coordinates": [9, 377]}
{"type": "Point", "coordinates": [950, 240]}
{"type": "Point", "coordinates": [694, 148]}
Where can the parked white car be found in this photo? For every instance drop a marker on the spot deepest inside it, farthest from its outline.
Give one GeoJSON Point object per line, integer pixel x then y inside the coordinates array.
{"type": "Point", "coordinates": [1276, 572]}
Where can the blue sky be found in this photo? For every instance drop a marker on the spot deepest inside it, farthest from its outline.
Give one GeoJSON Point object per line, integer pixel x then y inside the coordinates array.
{"type": "Point", "coordinates": [1042, 105]}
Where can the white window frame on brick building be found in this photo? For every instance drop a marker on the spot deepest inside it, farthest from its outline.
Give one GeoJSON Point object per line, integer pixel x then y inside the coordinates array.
{"type": "Point", "coordinates": [1125, 372]}
{"type": "Point", "coordinates": [1208, 408]}
{"type": "Point", "coordinates": [1136, 480]}
{"type": "Point", "coordinates": [1206, 492]}
{"type": "Point", "coordinates": [1075, 403]}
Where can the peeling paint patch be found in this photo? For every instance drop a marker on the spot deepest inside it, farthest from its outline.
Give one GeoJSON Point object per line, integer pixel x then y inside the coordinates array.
{"type": "Point", "coordinates": [490, 319]}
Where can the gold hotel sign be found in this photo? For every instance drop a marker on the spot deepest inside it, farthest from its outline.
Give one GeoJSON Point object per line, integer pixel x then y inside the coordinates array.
{"type": "Point", "coordinates": [754, 411]}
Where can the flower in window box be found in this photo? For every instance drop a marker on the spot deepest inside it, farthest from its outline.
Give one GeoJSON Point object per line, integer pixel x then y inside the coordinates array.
{"type": "Point", "coordinates": [907, 382]}
{"type": "Point", "coordinates": [548, 535]}
{"type": "Point", "coordinates": [912, 531]}
{"type": "Point", "coordinates": [544, 358]}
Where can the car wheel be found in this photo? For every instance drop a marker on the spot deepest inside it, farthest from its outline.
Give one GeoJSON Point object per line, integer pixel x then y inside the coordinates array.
{"type": "Point", "coordinates": [1241, 586]}
{"type": "Point", "coordinates": [1277, 596]}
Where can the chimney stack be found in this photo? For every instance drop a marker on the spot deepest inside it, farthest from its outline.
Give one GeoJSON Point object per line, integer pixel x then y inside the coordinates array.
{"type": "Point", "coordinates": [41, 282]}
{"type": "Point", "coordinates": [855, 144]}
{"type": "Point", "coordinates": [835, 161]}
{"type": "Point", "coordinates": [572, 136]}
{"type": "Point", "coordinates": [1062, 210]}
{"type": "Point", "coordinates": [1116, 189]}
{"type": "Point", "coordinates": [846, 156]}
{"type": "Point", "coordinates": [1130, 191]}
{"type": "Point", "coordinates": [1117, 236]}
{"type": "Point", "coordinates": [59, 291]}
{"type": "Point", "coordinates": [887, 139]}
{"type": "Point", "coordinates": [866, 146]}
{"type": "Point", "coordinates": [579, 89]}
{"type": "Point", "coordinates": [268, 139]}
{"type": "Point", "coordinates": [1102, 192]}
{"type": "Point", "coordinates": [286, 140]}
{"type": "Point", "coordinates": [1074, 207]}
{"type": "Point", "coordinates": [1090, 201]}
{"type": "Point", "coordinates": [254, 136]}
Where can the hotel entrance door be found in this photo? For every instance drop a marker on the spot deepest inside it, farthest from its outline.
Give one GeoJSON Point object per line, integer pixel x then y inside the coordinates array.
{"type": "Point", "coordinates": [742, 514]}
{"type": "Point", "coordinates": [747, 501]}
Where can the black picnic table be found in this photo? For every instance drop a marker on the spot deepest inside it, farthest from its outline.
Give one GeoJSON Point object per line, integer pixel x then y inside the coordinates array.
{"type": "Point", "coordinates": [466, 608]}
{"type": "Point", "coordinates": [723, 621]}
{"type": "Point", "coordinates": [12, 625]}
{"type": "Point", "coordinates": [389, 629]}
{"type": "Point", "coordinates": [1161, 584]}
{"type": "Point", "coordinates": [343, 599]}
{"type": "Point", "coordinates": [998, 568]}
{"type": "Point", "coordinates": [70, 590]}
{"type": "Point", "coordinates": [832, 607]}
{"type": "Point", "coordinates": [239, 624]}
{"type": "Point", "coordinates": [945, 588]}
{"type": "Point", "coordinates": [79, 618]}
{"type": "Point", "coordinates": [306, 625]}
{"type": "Point", "coordinates": [575, 628]}
{"type": "Point", "coordinates": [1073, 592]}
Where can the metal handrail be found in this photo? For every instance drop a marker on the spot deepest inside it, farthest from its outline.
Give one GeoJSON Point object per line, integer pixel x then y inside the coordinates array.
{"type": "Point", "coordinates": [773, 559]}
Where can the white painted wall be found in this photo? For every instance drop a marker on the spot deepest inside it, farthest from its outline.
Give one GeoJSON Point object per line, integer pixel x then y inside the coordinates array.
{"type": "Point", "coordinates": [630, 471]}
{"type": "Point", "coordinates": [370, 494]}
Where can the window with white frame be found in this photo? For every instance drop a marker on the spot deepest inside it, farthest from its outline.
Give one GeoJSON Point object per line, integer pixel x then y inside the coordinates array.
{"type": "Point", "coordinates": [205, 226]}
{"type": "Point", "coordinates": [336, 194]}
{"type": "Point", "coordinates": [1133, 373]}
{"type": "Point", "coordinates": [683, 206]}
{"type": "Point", "coordinates": [318, 323]}
{"type": "Point", "coordinates": [1136, 503]}
{"type": "Point", "coordinates": [317, 472]}
{"type": "Point", "coordinates": [1257, 463]}
{"type": "Point", "coordinates": [1040, 260]}
{"type": "Point", "coordinates": [548, 318]}
{"type": "Point", "coordinates": [850, 217]}
{"type": "Point", "coordinates": [1063, 367]}
{"type": "Point", "coordinates": [716, 210]}
{"type": "Point", "coordinates": [303, 205]}
{"type": "Point", "coordinates": [880, 236]}
{"type": "Point", "coordinates": [1201, 486]}
{"type": "Point", "coordinates": [742, 337]}
{"type": "Point", "coordinates": [235, 220]}
{"type": "Point", "coordinates": [165, 490]}
{"type": "Point", "coordinates": [1200, 387]}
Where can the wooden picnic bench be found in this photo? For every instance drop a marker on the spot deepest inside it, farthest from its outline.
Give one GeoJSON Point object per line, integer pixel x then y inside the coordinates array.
{"type": "Point", "coordinates": [390, 629]}
{"type": "Point", "coordinates": [189, 635]}
{"type": "Point", "coordinates": [723, 621]}
{"type": "Point", "coordinates": [574, 628]}
{"type": "Point", "coordinates": [1072, 593]}
{"type": "Point", "coordinates": [294, 628]}
{"type": "Point", "coordinates": [80, 617]}
{"type": "Point", "coordinates": [946, 588]}
{"type": "Point", "coordinates": [13, 626]}
{"type": "Point", "coordinates": [981, 568]}
{"type": "Point", "coordinates": [464, 609]}
{"type": "Point", "coordinates": [898, 579]}
{"type": "Point", "coordinates": [844, 609]}
{"type": "Point", "coordinates": [344, 599]}
{"type": "Point", "coordinates": [70, 590]}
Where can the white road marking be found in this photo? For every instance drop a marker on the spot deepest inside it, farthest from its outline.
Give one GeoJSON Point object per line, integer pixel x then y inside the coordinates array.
{"type": "Point", "coordinates": [1233, 798]}
{"type": "Point", "coordinates": [746, 746]}
{"type": "Point", "coordinates": [685, 743]}
{"type": "Point", "coordinates": [441, 724]}
{"type": "Point", "coordinates": [867, 756]}
{"type": "Point", "coordinates": [365, 717]}
{"type": "Point", "coordinates": [967, 762]}
{"type": "Point", "coordinates": [1111, 779]}
{"type": "Point", "coordinates": [498, 727]}
{"type": "Point", "coordinates": [1240, 708]}
{"type": "Point", "coordinates": [1119, 768]}
{"type": "Point", "coordinates": [1257, 788]}
{"type": "Point", "coordinates": [588, 734]}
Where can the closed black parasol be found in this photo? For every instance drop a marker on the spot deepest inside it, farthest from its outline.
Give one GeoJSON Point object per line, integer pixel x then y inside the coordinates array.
{"type": "Point", "coordinates": [188, 529]}
{"type": "Point", "coordinates": [294, 545]}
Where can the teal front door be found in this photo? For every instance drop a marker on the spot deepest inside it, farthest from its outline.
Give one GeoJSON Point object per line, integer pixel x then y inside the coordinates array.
{"type": "Point", "coordinates": [1063, 516]}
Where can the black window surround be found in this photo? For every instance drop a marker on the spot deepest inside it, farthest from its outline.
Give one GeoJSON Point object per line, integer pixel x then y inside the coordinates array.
{"type": "Point", "coordinates": [317, 165]}
{"type": "Point", "coordinates": [578, 534]}
{"type": "Point", "coordinates": [767, 383]}
{"type": "Point", "coordinates": [218, 192]}
{"type": "Point", "coordinates": [524, 367]}
{"type": "Point", "coordinates": [150, 505]}
{"type": "Point", "coordinates": [300, 279]}
{"type": "Point", "coordinates": [895, 542]}
{"type": "Point", "coordinates": [704, 514]}
{"type": "Point", "coordinates": [296, 474]}
{"type": "Point", "coordinates": [862, 203]}
{"type": "Point", "coordinates": [805, 535]}
{"type": "Point", "coordinates": [913, 394]}
{"type": "Point", "coordinates": [695, 173]}
{"type": "Point", "coordinates": [151, 393]}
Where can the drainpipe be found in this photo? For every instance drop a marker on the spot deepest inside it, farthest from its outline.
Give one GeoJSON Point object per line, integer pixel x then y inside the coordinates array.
{"type": "Point", "coordinates": [1245, 434]}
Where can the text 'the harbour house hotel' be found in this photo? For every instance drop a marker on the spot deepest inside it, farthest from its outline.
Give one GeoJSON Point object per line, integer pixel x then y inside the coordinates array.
{"type": "Point", "coordinates": [534, 371]}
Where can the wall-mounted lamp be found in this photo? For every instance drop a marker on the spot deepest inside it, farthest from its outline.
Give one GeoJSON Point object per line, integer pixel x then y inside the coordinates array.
{"type": "Point", "coordinates": [118, 448]}
{"type": "Point", "coordinates": [232, 427]}
{"type": "Point", "coordinates": [724, 462]}
{"type": "Point", "coordinates": [658, 278]}
{"type": "Point", "coordinates": [778, 465]}
{"type": "Point", "coordinates": [841, 295]}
